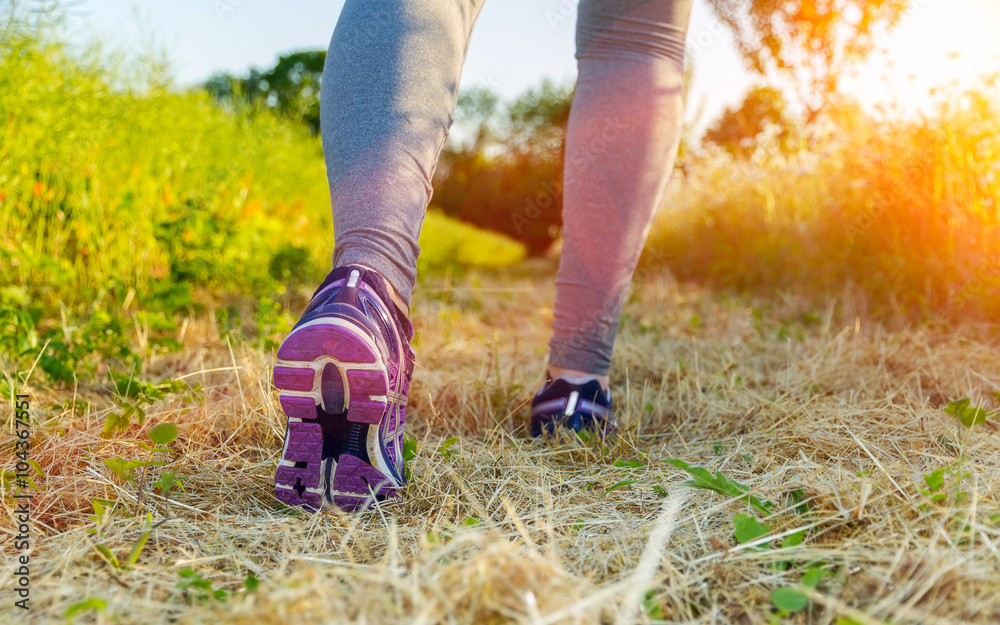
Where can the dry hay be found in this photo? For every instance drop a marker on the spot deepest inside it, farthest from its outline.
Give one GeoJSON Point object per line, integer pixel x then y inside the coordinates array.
{"type": "Point", "coordinates": [506, 529]}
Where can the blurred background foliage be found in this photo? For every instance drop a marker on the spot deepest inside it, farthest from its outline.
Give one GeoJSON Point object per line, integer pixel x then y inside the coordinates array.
{"type": "Point", "coordinates": [128, 205]}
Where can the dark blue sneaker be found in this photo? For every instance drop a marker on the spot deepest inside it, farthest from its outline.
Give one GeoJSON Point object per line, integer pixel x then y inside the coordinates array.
{"type": "Point", "coordinates": [577, 407]}
{"type": "Point", "coordinates": [344, 374]}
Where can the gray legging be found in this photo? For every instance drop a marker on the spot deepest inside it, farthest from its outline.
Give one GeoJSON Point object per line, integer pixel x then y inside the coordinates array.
{"type": "Point", "coordinates": [389, 90]}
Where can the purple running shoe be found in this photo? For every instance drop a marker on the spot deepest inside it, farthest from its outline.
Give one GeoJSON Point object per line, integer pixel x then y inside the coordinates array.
{"type": "Point", "coordinates": [344, 374]}
{"type": "Point", "coordinates": [577, 407]}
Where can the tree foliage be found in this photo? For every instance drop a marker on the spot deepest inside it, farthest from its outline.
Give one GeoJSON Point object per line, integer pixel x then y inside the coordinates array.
{"type": "Point", "coordinates": [506, 174]}
{"type": "Point", "coordinates": [737, 128]}
{"type": "Point", "coordinates": [290, 88]}
{"type": "Point", "coordinates": [810, 42]}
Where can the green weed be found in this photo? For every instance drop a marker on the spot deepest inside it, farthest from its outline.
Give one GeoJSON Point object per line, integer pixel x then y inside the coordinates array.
{"type": "Point", "coordinates": [160, 435]}
{"type": "Point", "coordinates": [92, 603]}
{"type": "Point", "coordinates": [133, 555]}
{"type": "Point", "coordinates": [194, 588]}
{"type": "Point", "coordinates": [723, 485]}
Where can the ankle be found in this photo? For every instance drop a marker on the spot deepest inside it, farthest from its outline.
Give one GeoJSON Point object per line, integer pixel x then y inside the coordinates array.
{"type": "Point", "coordinates": [401, 305]}
{"type": "Point", "coordinates": [576, 376]}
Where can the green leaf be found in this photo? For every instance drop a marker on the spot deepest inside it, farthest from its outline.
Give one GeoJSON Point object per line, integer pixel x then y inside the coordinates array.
{"type": "Point", "coordinates": [973, 417]}
{"type": "Point", "coordinates": [409, 449]}
{"type": "Point", "coordinates": [445, 448]}
{"type": "Point", "coordinates": [93, 603]}
{"type": "Point", "coordinates": [793, 540]}
{"type": "Point", "coordinates": [748, 528]}
{"type": "Point", "coordinates": [935, 480]}
{"type": "Point", "coordinates": [134, 410]}
{"type": "Point", "coordinates": [37, 468]}
{"type": "Point", "coordinates": [621, 484]}
{"type": "Point", "coordinates": [471, 521]}
{"type": "Point", "coordinates": [114, 423]}
{"type": "Point", "coordinates": [186, 573]}
{"type": "Point", "coordinates": [139, 544]}
{"type": "Point", "coordinates": [651, 606]}
{"type": "Point", "coordinates": [162, 434]}
{"type": "Point", "coordinates": [796, 500]}
{"type": "Point", "coordinates": [251, 582]}
{"type": "Point", "coordinates": [969, 417]}
{"type": "Point", "coordinates": [722, 485]}
{"type": "Point", "coordinates": [628, 464]}
{"type": "Point", "coordinates": [125, 385]}
{"type": "Point", "coordinates": [957, 407]}
{"type": "Point", "coordinates": [813, 577]}
{"type": "Point", "coordinates": [124, 470]}
{"type": "Point", "coordinates": [789, 600]}
{"type": "Point", "coordinates": [108, 556]}
{"type": "Point", "coordinates": [167, 483]}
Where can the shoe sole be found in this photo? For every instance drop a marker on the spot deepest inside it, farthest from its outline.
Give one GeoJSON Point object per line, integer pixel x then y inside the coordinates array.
{"type": "Point", "coordinates": [333, 388]}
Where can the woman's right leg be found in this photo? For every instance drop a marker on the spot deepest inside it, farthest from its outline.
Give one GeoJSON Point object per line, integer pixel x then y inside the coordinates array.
{"type": "Point", "coordinates": [389, 89]}
{"type": "Point", "coordinates": [390, 85]}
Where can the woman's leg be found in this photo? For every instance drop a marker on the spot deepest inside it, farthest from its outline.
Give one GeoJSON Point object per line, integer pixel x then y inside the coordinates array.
{"type": "Point", "coordinates": [390, 85]}
{"type": "Point", "coordinates": [389, 88]}
{"type": "Point", "coordinates": [622, 138]}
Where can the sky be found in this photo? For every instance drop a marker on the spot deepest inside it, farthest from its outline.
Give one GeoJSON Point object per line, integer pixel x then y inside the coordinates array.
{"type": "Point", "coordinates": [517, 43]}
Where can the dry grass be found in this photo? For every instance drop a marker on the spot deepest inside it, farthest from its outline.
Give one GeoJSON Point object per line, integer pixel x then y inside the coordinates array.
{"type": "Point", "coordinates": [850, 413]}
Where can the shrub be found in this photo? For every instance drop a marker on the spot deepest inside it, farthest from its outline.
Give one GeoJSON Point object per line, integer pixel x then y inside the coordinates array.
{"type": "Point", "coordinates": [907, 210]}
{"type": "Point", "coordinates": [125, 203]}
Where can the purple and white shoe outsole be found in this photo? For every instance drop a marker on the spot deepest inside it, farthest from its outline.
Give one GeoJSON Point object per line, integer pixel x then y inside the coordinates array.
{"type": "Point", "coordinates": [331, 369]}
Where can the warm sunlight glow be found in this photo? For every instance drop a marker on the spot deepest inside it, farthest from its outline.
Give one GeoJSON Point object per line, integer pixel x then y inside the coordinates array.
{"type": "Point", "coordinates": [939, 44]}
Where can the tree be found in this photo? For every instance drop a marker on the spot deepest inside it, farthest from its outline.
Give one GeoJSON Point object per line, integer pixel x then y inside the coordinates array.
{"type": "Point", "coordinates": [290, 88]}
{"type": "Point", "coordinates": [506, 175]}
{"type": "Point", "coordinates": [737, 128]}
{"type": "Point", "coordinates": [810, 42]}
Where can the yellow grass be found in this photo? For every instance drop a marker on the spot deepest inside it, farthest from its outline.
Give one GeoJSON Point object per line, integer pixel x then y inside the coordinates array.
{"type": "Point", "coordinates": [845, 410]}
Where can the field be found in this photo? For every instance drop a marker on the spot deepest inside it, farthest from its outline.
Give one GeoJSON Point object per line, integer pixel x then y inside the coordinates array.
{"type": "Point", "coordinates": [806, 374]}
{"type": "Point", "coordinates": [834, 420]}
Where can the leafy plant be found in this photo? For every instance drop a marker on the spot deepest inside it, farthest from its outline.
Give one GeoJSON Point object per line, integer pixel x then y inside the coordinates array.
{"type": "Point", "coordinates": [160, 435]}
{"type": "Point", "coordinates": [748, 529]}
{"type": "Point", "coordinates": [134, 395]}
{"type": "Point", "coordinates": [651, 605]}
{"type": "Point", "coordinates": [628, 464]}
{"type": "Point", "coordinates": [723, 485]}
{"type": "Point", "coordinates": [167, 483]}
{"type": "Point", "coordinates": [621, 484]}
{"type": "Point", "coordinates": [789, 600]}
{"type": "Point", "coordinates": [92, 603]}
{"type": "Point", "coordinates": [969, 416]}
{"type": "Point", "coordinates": [446, 450]}
{"type": "Point", "coordinates": [194, 587]}
{"type": "Point", "coordinates": [935, 481]}
{"type": "Point", "coordinates": [409, 453]}
{"type": "Point", "coordinates": [133, 555]}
